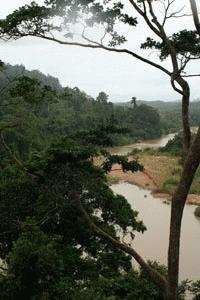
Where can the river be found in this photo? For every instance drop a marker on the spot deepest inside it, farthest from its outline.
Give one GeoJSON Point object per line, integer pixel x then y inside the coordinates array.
{"type": "Point", "coordinates": [154, 143]}
{"type": "Point", "coordinates": [155, 214]}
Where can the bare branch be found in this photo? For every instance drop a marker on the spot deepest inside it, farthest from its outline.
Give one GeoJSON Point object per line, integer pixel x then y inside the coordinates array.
{"type": "Point", "coordinates": [179, 16]}
{"type": "Point", "coordinates": [87, 39]}
{"type": "Point", "coordinates": [184, 61]}
{"type": "Point", "coordinates": [166, 8]}
{"type": "Point", "coordinates": [144, 15]}
{"type": "Point", "coordinates": [191, 75]}
{"type": "Point", "coordinates": [175, 14]}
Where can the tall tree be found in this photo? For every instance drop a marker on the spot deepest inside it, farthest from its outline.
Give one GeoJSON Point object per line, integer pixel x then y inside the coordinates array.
{"type": "Point", "coordinates": [102, 97]}
{"type": "Point", "coordinates": [180, 48]}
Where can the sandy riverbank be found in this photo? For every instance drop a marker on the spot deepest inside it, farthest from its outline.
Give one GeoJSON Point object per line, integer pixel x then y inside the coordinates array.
{"type": "Point", "coordinates": [153, 177]}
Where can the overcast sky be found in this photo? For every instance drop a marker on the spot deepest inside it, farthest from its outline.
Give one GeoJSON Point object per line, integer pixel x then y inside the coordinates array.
{"type": "Point", "coordinates": [119, 75]}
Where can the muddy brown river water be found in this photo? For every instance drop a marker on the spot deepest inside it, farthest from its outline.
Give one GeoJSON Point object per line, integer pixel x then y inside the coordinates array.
{"type": "Point", "coordinates": [155, 214]}
{"type": "Point", "coordinates": [155, 143]}
{"type": "Point", "coordinates": [153, 243]}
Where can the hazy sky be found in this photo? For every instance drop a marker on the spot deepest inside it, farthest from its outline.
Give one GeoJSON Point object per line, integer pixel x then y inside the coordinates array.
{"type": "Point", "coordinates": [119, 75]}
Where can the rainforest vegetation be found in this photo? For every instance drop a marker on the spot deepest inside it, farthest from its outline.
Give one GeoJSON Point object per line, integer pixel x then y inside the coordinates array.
{"type": "Point", "coordinates": [170, 113]}
{"type": "Point", "coordinates": [47, 249]}
{"type": "Point", "coordinates": [46, 141]}
{"type": "Point", "coordinates": [63, 233]}
{"type": "Point", "coordinates": [36, 109]}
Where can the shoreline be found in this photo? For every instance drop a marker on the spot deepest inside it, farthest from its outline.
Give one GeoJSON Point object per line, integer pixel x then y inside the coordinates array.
{"type": "Point", "coordinates": [146, 181]}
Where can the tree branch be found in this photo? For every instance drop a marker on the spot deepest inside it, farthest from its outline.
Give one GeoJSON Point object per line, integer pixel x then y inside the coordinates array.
{"type": "Point", "coordinates": [175, 14]}
{"type": "Point", "coordinates": [166, 8]}
{"type": "Point", "coordinates": [175, 88]}
{"type": "Point", "coordinates": [155, 276]}
{"type": "Point", "coordinates": [144, 15]}
{"type": "Point", "coordinates": [100, 46]}
{"type": "Point", "coordinates": [191, 75]}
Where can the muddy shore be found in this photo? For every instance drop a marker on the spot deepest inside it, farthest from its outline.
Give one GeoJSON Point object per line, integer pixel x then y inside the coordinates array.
{"type": "Point", "coordinates": [147, 180]}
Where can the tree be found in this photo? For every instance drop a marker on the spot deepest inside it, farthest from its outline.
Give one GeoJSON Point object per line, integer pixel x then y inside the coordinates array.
{"type": "Point", "coordinates": [102, 97]}
{"type": "Point", "coordinates": [180, 48]}
{"type": "Point", "coordinates": [48, 247]}
{"type": "Point", "coordinates": [35, 109]}
{"type": "Point", "coordinates": [21, 99]}
{"type": "Point", "coordinates": [133, 101]}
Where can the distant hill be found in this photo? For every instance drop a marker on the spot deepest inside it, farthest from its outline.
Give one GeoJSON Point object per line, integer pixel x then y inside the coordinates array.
{"type": "Point", "coordinates": [11, 72]}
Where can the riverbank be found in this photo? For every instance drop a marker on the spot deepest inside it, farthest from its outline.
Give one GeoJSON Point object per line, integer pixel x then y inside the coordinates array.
{"type": "Point", "coordinates": [161, 175]}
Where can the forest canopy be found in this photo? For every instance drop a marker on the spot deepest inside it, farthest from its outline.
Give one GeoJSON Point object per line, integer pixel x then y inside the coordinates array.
{"type": "Point", "coordinates": [36, 109]}
{"type": "Point", "coordinates": [180, 47]}
{"type": "Point", "coordinates": [47, 170]}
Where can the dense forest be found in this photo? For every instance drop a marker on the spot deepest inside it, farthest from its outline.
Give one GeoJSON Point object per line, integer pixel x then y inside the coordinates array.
{"type": "Point", "coordinates": [49, 138]}
{"type": "Point", "coordinates": [64, 233]}
{"type": "Point", "coordinates": [36, 109]}
{"type": "Point", "coordinates": [170, 113]}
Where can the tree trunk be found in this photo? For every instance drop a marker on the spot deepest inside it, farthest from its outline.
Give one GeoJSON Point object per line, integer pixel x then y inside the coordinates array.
{"type": "Point", "coordinates": [185, 121]}
{"type": "Point", "coordinates": [185, 114]}
{"type": "Point", "coordinates": [195, 15]}
{"type": "Point", "coordinates": [191, 164]}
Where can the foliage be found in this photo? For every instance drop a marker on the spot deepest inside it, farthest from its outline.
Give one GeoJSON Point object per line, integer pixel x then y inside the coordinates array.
{"type": "Point", "coordinates": [112, 179]}
{"type": "Point", "coordinates": [52, 266]}
{"type": "Point", "coordinates": [102, 97]}
{"type": "Point", "coordinates": [197, 211]}
{"type": "Point", "coordinates": [169, 185]}
{"type": "Point", "coordinates": [33, 15]}
{"type": "Point", "coordinates": [32, 90]}
{"type": "Point", "coordinates": [34, 19]}
{"type": "Point", "coordinates": [174, 146]}
{"type": "Point", "coordinates": [42, 110]}
{"type": "Point", "coordinates": [185, 42]}
{"type": "Point", "coordinates": [127, 165]}
{"type": "Point", "coordinates": [45, 240]}
{"type": "Point", "coordinates": [68, 163]}
{"type": "Point", "coordinates": [194, 289]}
{"type": "Point", "coordinates": [170, 113]}
{"type": "Point", "coordinates": [172, 181]}
{"type": "Point", "coordinates": [34, 266]}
